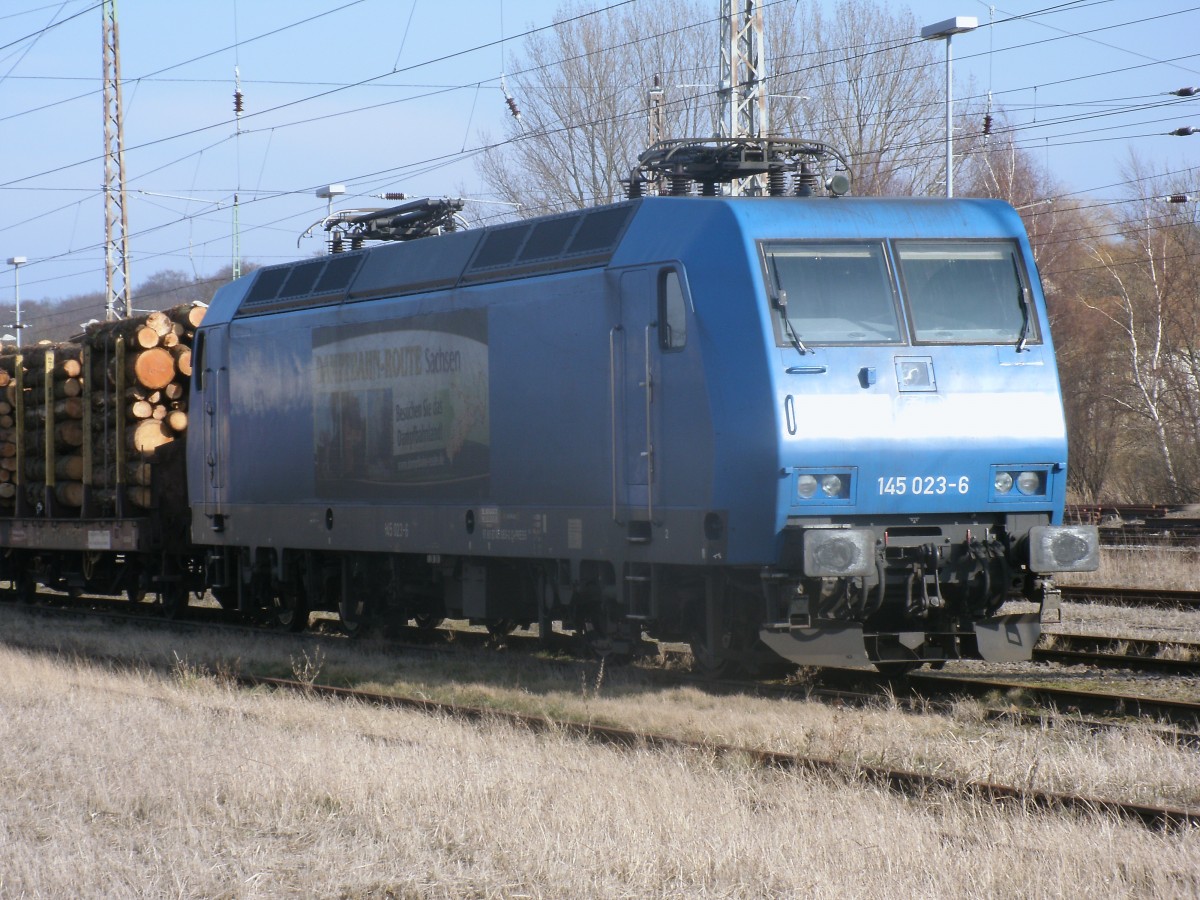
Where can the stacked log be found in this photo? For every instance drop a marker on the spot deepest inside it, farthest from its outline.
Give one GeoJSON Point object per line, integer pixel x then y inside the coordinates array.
{"type": "Point", "coordinates": [158, 373]}
{"type": "Point", "coordinates": [8, 431]}
{"type": "Point", "coordinates": [95, 412]}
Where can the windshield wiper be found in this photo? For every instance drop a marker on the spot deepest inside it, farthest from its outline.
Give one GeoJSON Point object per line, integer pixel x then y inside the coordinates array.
{"type": "Point", "coordinates": [1024, 301]}
{"type": "Point", "coordinates": [780, 301]}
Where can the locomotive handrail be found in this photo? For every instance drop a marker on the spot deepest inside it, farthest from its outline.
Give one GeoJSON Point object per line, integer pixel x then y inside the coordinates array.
{"type": "Point", "coordinates": [612, 405]}
{"type": "Point", "coordinates": [649, 434]}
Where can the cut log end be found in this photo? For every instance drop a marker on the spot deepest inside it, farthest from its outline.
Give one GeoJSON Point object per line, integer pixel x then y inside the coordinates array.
{"type": "Point", "coordinates": [155, 368]}
{"type": "Point", "coordinates": [148, 435]}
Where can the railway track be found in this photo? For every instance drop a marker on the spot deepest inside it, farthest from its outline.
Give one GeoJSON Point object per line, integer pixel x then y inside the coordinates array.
{"type": "Point", "coordinates": [1028, 689]}
{"type": "Point", "coordinates": [837, 686]}
{"type": "Point", "coordinates": [1171, 657]}
{"type": "Point", "coordinates": [1157, 597]}
{"type": "Point", "coordinates": [899, 780]}
{"type": "Point", "coordinates": [1143, 526]}
{"type": "Point", "coordinates": [924, 692]}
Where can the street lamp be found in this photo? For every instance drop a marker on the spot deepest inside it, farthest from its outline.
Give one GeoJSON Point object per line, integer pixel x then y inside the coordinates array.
{"type": "Point", "coordinates": [16, 262]}
{"type": "Point", "coordinates": [947, 29]}
{"type": "Point", "coordinates": [328, 193]}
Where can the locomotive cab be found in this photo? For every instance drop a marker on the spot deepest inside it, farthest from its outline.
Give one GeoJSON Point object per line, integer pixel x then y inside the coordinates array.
{"type": "Point", "coordinates": [924, 447]}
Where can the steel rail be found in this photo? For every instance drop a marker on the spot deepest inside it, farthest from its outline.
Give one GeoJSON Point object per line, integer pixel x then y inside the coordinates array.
{"type": "Point", "coordinates": [1159, 597]}
{"type": "Point", "coordinates": [1069, 657]}
{"type": "Point", "coordinates": [898, 780]}
{"type": "Point", "coordinates": [1184, 713]}
{"type": "Point", "coordinates": [1117, 651]}
{"type": "Point", "coordinates": [838, 687]}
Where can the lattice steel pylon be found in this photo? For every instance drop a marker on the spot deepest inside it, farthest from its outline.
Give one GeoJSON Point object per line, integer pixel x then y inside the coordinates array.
{"type": "Point", "coordinates": [743, 79]}
{"type": "Point", "coordinates": [116, 213]}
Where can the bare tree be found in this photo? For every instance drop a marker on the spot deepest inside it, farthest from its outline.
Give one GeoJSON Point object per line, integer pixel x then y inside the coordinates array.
{"type": "Point", "coordinates": [582, 92]}
{"type": "Point", "coordinates": [1152, 310]}
{"type": "Point", "coordinates": [861, 80]}
{"type": "Point", "coordinates": [1059, 230]}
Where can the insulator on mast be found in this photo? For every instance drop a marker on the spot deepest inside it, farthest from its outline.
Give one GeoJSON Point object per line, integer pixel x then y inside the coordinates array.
{"type": "Point", "coordinates": [510, 100]}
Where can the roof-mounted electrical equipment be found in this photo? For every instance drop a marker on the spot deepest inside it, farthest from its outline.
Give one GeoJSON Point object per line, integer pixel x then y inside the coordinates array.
{"type": "Point", "coordinates": [792, 166]}
{"type": "Point", "coordinates": [349, 229]}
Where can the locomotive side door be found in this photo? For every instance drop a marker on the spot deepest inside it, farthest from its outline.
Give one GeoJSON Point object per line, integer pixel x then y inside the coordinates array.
{"type": "Point", "coordinates": [635, 404]}
{"type": "Point", "coordinates": [214, 397]}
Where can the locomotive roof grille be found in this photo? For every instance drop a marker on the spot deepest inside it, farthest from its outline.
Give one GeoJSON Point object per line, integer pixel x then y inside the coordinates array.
{"type": "Point", "coordinates": [500, 247]}
{"type": "Point", "coordinates": [299, 285]}
{"type": "Point", "coordinates": [564, 243]}
{"type": "Point", "coordinates": [570, 241]}
{"type": "Point", "coordinates": [547, 239]}
{"type": "Point", "coordinates": [266, 286]}
{"type": "Point", "coordinates": [338, 274]}
{"type": "Point", "coordinates": [601, 230]}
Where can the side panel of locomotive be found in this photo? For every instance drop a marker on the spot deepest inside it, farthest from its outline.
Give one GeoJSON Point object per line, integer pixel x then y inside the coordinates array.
{"type": "Point", "coordinates": [466, 416]}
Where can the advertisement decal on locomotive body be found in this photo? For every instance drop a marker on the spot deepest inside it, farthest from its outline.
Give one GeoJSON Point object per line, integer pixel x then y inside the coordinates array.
{"type": "Point", "coordinates": [402, 407]}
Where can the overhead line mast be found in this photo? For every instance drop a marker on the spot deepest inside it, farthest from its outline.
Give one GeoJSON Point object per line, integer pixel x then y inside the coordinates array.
{"type": "Point", "coordinates": [743, 80]}
{"type": "Point", "coordinates": [116, 214]}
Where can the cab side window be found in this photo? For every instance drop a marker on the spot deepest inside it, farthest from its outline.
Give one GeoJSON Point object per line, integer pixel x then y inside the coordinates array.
{"type": "Point", "coordinates": [672, 311]}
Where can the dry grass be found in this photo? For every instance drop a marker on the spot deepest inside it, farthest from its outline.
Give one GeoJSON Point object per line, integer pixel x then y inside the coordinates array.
{"type": "Point", "coordinates": [1149, 569]}
{"type": "Point", "coordinates": [1146, 622]}
{"type": "Point", "coordinates": [136, 785]}
{"type": "Point", "coordinates": [1156, 568]}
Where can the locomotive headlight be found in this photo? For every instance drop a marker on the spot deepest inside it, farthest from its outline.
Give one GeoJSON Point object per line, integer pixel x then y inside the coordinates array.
{"type": "Point", "coordinates": [1028, 483]}
{"type": "Point", "coordinates": [1004, 482]}
{"type": "Point", "coordinates": [831, 486]}
{"type": "Point", "coordinates": [822, 487]}
{"type": "Point", "coordinates": [1064, 548]}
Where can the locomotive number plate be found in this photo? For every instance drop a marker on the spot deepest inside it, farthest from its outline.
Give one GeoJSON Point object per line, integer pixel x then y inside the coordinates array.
{"type": "Point", "coordinates": [936, 485]}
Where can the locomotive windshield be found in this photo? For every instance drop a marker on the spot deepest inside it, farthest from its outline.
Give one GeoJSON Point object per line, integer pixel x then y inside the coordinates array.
{"type": "Point", "coordinates": [955, 292]}
{"type": "Point", "coordinates": [834, 293]}
{"type": "Point", "coordinates": [965, 292]}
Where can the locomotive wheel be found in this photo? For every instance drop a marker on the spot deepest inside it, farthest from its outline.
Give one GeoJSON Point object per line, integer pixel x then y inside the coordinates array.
{"type": "Point", "coordinates": [352, 613]}
{"type": "Point", "coordinates": [174, 600]}
{"type": "Point", "coordinates": [25, 589]}
{"type": "Point", "coordinates": [501, 628]}
{"type": "Point", "coordinates": [288, 609]}
{"type": "Point", "coordinates": [708, 663]}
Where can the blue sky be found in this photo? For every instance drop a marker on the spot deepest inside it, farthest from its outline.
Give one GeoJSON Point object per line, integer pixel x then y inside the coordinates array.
{"type": "Point", "coordinates": [429, 91]}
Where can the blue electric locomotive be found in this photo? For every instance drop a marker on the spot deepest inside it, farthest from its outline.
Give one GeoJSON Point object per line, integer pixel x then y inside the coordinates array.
{"type": "Point", "coordinates": [827, 430]}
